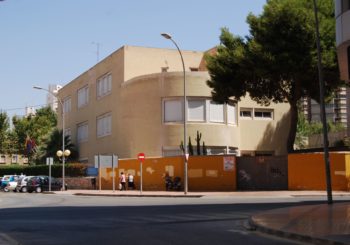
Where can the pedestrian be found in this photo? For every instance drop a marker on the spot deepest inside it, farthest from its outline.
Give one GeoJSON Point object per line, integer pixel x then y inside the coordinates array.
{"type": "Point", "coordinates": [93, 183]}
{"type": "Point", "coordinates": [168, 181]}
{"type": "Point", "coordinates": [122, 181]}
{"type": "Point", "coordinates": [131, 182]}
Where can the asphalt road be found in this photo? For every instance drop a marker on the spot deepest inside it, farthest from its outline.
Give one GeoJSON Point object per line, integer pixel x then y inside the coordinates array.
{"type": "Point", "coordinates": [64, 219]}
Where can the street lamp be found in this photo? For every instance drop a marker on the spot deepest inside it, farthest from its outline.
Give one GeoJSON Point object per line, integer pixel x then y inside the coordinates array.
{"type": "Point", "coordinates": [167, 36]}
{"type": "Point", "coordinates": [63, 134]}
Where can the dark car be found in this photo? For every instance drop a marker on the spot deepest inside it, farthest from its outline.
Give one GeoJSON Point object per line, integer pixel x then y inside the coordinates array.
{"type": "Point", "coordinates": [41, 183]}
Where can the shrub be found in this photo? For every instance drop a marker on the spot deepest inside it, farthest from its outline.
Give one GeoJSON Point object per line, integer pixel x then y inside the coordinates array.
{"type": "Point", "coordinates": [71, 170]}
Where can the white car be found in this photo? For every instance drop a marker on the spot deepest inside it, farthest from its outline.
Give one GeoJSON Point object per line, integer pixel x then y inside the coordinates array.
{"type": "Point", "coordinates": [11, 184]}
{"type": "Point", "coordinates": [22, 183]}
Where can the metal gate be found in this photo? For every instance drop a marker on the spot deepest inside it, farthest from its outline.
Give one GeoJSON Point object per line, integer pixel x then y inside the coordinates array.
{"type": "Point", "coordinates": [262, 173]}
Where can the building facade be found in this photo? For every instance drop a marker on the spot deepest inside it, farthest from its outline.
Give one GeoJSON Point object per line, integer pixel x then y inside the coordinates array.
{"type": "Point", "coordinates": [131, 102]}
{"type": "Point", "coordinates": [342, 15]}
{"type": "Point", "coordinates": [51, 100]}
{"type": "Point", "coordinates": [337, 110]}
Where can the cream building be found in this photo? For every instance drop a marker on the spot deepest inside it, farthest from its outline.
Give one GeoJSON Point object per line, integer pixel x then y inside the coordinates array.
{"type": "Point", "coordinates": [131, 102]}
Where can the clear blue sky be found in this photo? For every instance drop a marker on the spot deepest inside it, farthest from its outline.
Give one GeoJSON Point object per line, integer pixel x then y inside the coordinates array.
{"type": "Point", "coordinates": [46, 42]}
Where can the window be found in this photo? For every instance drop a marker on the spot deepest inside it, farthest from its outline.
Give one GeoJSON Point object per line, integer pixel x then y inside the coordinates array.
{"type": "Point", "coordinates": [14, 159]}
{"type": "Point", "coordinates": [231, 113]}
{"type": "Point", "coordinates": [216, 112]}
{"type": "Point", "coordinates": [173, 110]}
{"type": "Point", "coordinates": [345, 5]}
{"type": "Point", "coordinates": [104, 85]}
{"type": "Point", "coordinates": [67, 104]}
{"type": "Point", "coordinates": [104, 125]}
{"type": "Point", "coordinates": [83, 96]}
{"type": "Point", "coordinates": [82, 132]}
{"type": "Point", "coordinates": [2, 159]}
{"type": "Point", "coordinates": [245, 113]}
{"type": "Point", "coordinates": [68, 132]}
{"type": "Point", "coordinates": [262, 114]}
{"type": "Point", "coordinates": [196, 110]}
{"type": "Point", "coordinates": [349, 62]}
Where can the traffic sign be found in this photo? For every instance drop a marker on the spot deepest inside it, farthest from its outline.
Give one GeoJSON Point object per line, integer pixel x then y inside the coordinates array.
{"type": "Point", "coordinates": [141, 157]}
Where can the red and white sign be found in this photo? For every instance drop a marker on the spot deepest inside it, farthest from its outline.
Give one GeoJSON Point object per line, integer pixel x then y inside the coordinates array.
{"type": "Point", "coordinates": [141, 157]}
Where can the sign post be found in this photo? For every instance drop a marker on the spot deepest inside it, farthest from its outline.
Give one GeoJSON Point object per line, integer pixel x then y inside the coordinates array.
{"type": "Point", "coordinates": [106, 161]}
{"type": "Point", "coordinates": [99, 172]}
{"type": "Point", "coordinates": [141, 157]}
{"type": "Point", "coordinates": [49, 161]}
{"type": "Point", "coordinates": [114, 165]}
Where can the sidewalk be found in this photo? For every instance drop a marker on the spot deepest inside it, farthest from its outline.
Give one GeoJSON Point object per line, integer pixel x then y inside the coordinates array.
{"type": "Point", "coordinates": [197, 194]}
{"type": "Point", "coordinates": [317, 224]}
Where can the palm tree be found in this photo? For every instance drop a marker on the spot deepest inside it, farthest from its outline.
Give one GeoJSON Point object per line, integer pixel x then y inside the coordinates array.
{"type": "Point", "coordinates": [54, 143]}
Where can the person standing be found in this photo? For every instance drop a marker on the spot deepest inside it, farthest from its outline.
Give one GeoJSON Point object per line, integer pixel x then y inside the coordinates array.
{"type": "Point", "coordinates": [123, 181]}
{"type": "Point", "coordinates": [130, 181]}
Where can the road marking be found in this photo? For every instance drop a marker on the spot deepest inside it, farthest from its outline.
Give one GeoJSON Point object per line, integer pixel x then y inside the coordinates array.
{"type": "Point", "coordinates": [239, 231]}
{"type": "Point", "coordinates": [7, 240]}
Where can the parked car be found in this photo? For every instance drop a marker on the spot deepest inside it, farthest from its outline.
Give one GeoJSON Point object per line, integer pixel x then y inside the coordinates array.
{"type": "Point", "coordinates": [6, 179]}
{"type": "Point", "coordinates": [41, 183]}
{"type": "Point", "coordinates": [22, 183]}
{"type": "Point", "coordinates": [11, 185]}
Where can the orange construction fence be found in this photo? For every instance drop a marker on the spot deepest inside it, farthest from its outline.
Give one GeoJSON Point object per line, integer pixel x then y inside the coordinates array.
{"type": "Point", "coordinates": [306, 171]}
{"type": "Point", "coordinates": [205, 173]}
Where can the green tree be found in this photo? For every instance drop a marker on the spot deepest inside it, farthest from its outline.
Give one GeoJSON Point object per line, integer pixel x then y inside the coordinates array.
{"type": "Point", "coordinates": [277, 62]}
{"type": "Point", "coordinates": [4, 127]}
{"type": "Point", "coordinates": [34, 127]}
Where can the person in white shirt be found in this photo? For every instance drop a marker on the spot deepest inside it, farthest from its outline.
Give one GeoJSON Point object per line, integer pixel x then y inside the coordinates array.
{"type": "Point", "coordinates": [131, 182]}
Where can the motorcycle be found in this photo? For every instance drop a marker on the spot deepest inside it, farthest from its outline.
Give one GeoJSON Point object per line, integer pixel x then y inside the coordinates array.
{"type": "Point", "coordinates": [173, 184]}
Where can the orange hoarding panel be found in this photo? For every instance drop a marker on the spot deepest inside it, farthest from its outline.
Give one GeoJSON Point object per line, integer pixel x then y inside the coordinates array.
{"type": "Point", "coordinates": [205, 173]}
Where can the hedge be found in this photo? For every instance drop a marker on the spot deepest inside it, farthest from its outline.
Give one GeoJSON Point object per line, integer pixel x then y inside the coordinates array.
{"type": "Point", "coordinates": [71, 170]}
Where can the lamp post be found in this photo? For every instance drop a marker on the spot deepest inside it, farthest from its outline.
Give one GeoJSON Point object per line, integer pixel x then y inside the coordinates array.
{"type": "Point", "coordinates": [63, 143]}
{"type": "Point", "coordinates": [167, 36]}
{"type": "Point", "coordinates": [323, 110]}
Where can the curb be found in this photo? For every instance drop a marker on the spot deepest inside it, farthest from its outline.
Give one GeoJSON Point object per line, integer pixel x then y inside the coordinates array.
{"type": "Point", "coordinates": [137, 195]}
{"type": "Point", "coordinates": [290, 235]}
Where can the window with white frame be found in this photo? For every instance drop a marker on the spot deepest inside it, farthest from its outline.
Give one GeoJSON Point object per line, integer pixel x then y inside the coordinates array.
{"type": "Point", "coordinates": [263, 114]}
{"type": "Point", "coordinates": [82, 132]}
{"type": "Point", "coordinates": [173, 111]}
{"type": "Point", "coordinates": [67, 104]}
{"type": "Point", "coordinates": [231, 113]}
{"type": "Point", "coordinates": [83, 96]}
{"type": "Point", "coordinates": [245, 113]}
{"type": "Point", "coordinates": [104, 125]}
{"type": "Point", "coordinates": [216, 112]}
{"type": "Point", "coordinates": [2, 159]}
{"type": "Point", "coordinates": [199, 110]}
{"type": "Point", "coordinates": [196, 110]}
{"type": "Point", "coordinates": [104, 85]}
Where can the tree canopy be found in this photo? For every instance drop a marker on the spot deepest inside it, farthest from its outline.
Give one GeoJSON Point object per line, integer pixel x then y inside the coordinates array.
{"type": "Point", "coordinates": [34, 128]}
{"type": "Point", "coordinates": [277, 62]}
{"type": "Point", "coordinates": [4, 127]}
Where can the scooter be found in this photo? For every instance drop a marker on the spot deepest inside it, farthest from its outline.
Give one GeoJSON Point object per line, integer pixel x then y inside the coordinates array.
{"type": "Point", "coordinates": [173, 185]}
